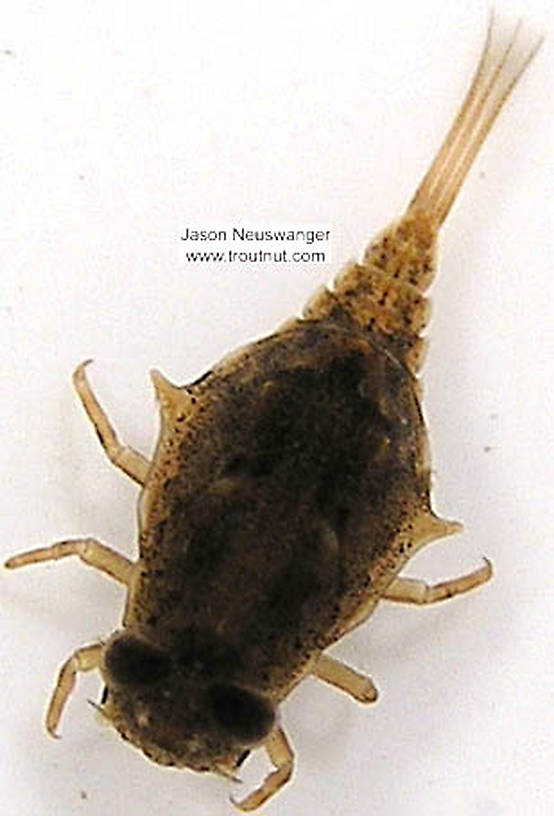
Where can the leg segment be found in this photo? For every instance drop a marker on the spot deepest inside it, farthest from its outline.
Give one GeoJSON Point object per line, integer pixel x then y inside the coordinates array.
{"type": "Point", "coordinates": [335, 673]}
{"type": "Point", "coordinates": [84, 659]}
{"type": "Point", "coordinates": [282, 757]}
{"type": "Point", "coordinates": [91, 552]}
{"type": "Point", "coordinates": [408, 590]}
{"type": "Point", "coordinates": [130, 461]}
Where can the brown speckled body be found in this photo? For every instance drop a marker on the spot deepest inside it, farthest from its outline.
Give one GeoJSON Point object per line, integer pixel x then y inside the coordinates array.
{"type": "Point", "coordinates": [289, 479]}
{"type": "Point", "coordinates": [279, 504]}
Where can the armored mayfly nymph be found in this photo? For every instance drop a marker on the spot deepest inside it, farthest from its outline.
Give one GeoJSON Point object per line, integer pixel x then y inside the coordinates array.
{"type": "Point", "coordinates": [288, 488]}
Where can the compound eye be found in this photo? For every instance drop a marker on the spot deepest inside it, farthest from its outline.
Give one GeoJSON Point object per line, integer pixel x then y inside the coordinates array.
{"type": "Point", "coordinates": [243, 714]}
{"type": "Point", "coordinates": [134, 662]}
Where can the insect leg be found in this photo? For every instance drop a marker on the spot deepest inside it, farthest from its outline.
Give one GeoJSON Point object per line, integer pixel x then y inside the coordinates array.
{"type": "Point", "coordinates": [84, 659]}
{"type": "Point", "coordinates": [335, 673]}
{"type": "Point", "coordinates": [89, 550]}
{"type": "Point", "coordinates": [130, 461]}
{"type": "Point", "coordinates": [282, 757]}
{"type": "Point", "coordinates": [409, 590]}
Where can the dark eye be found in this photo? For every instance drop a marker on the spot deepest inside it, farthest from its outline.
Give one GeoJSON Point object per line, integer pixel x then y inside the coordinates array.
{"type": "Point", "coordinates": [134, 662]}
{"type": "Point", "coordinates": [243, 714]}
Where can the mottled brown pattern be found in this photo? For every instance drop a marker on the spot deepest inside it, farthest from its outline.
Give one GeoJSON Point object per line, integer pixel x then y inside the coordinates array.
{"type": "Point", "coordinates": [308, 452]}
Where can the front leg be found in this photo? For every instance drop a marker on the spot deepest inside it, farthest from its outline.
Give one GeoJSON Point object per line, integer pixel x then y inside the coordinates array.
{"type": "Point", "coordinates": [83, 659]}
{"type": "Point", "coordinates": [281, 755]}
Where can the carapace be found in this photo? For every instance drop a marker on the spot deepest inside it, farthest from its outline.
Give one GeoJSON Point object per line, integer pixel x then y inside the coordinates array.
{"type": "Point", "coordinates": [288, 488]}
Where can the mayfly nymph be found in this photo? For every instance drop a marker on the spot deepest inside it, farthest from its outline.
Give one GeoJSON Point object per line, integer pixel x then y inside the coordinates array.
{"type": "Point", "coordinates": [288, 488]}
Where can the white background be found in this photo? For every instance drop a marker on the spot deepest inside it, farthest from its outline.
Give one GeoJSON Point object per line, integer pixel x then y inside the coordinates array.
{"type": "Point", "coordinates": [123, 123]}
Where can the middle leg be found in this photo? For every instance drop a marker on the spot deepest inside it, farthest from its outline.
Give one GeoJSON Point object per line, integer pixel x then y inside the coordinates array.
{"type": "Point", "coordinates": [89, 550]}
{"type": "Point", "coordinates": [335, 673]}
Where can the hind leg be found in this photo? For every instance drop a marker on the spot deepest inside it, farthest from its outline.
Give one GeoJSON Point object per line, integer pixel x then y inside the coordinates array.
{"type": "Point", "coordinates": [127, 459]}
{"type": "Point", "coordinates": [409, 590]}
